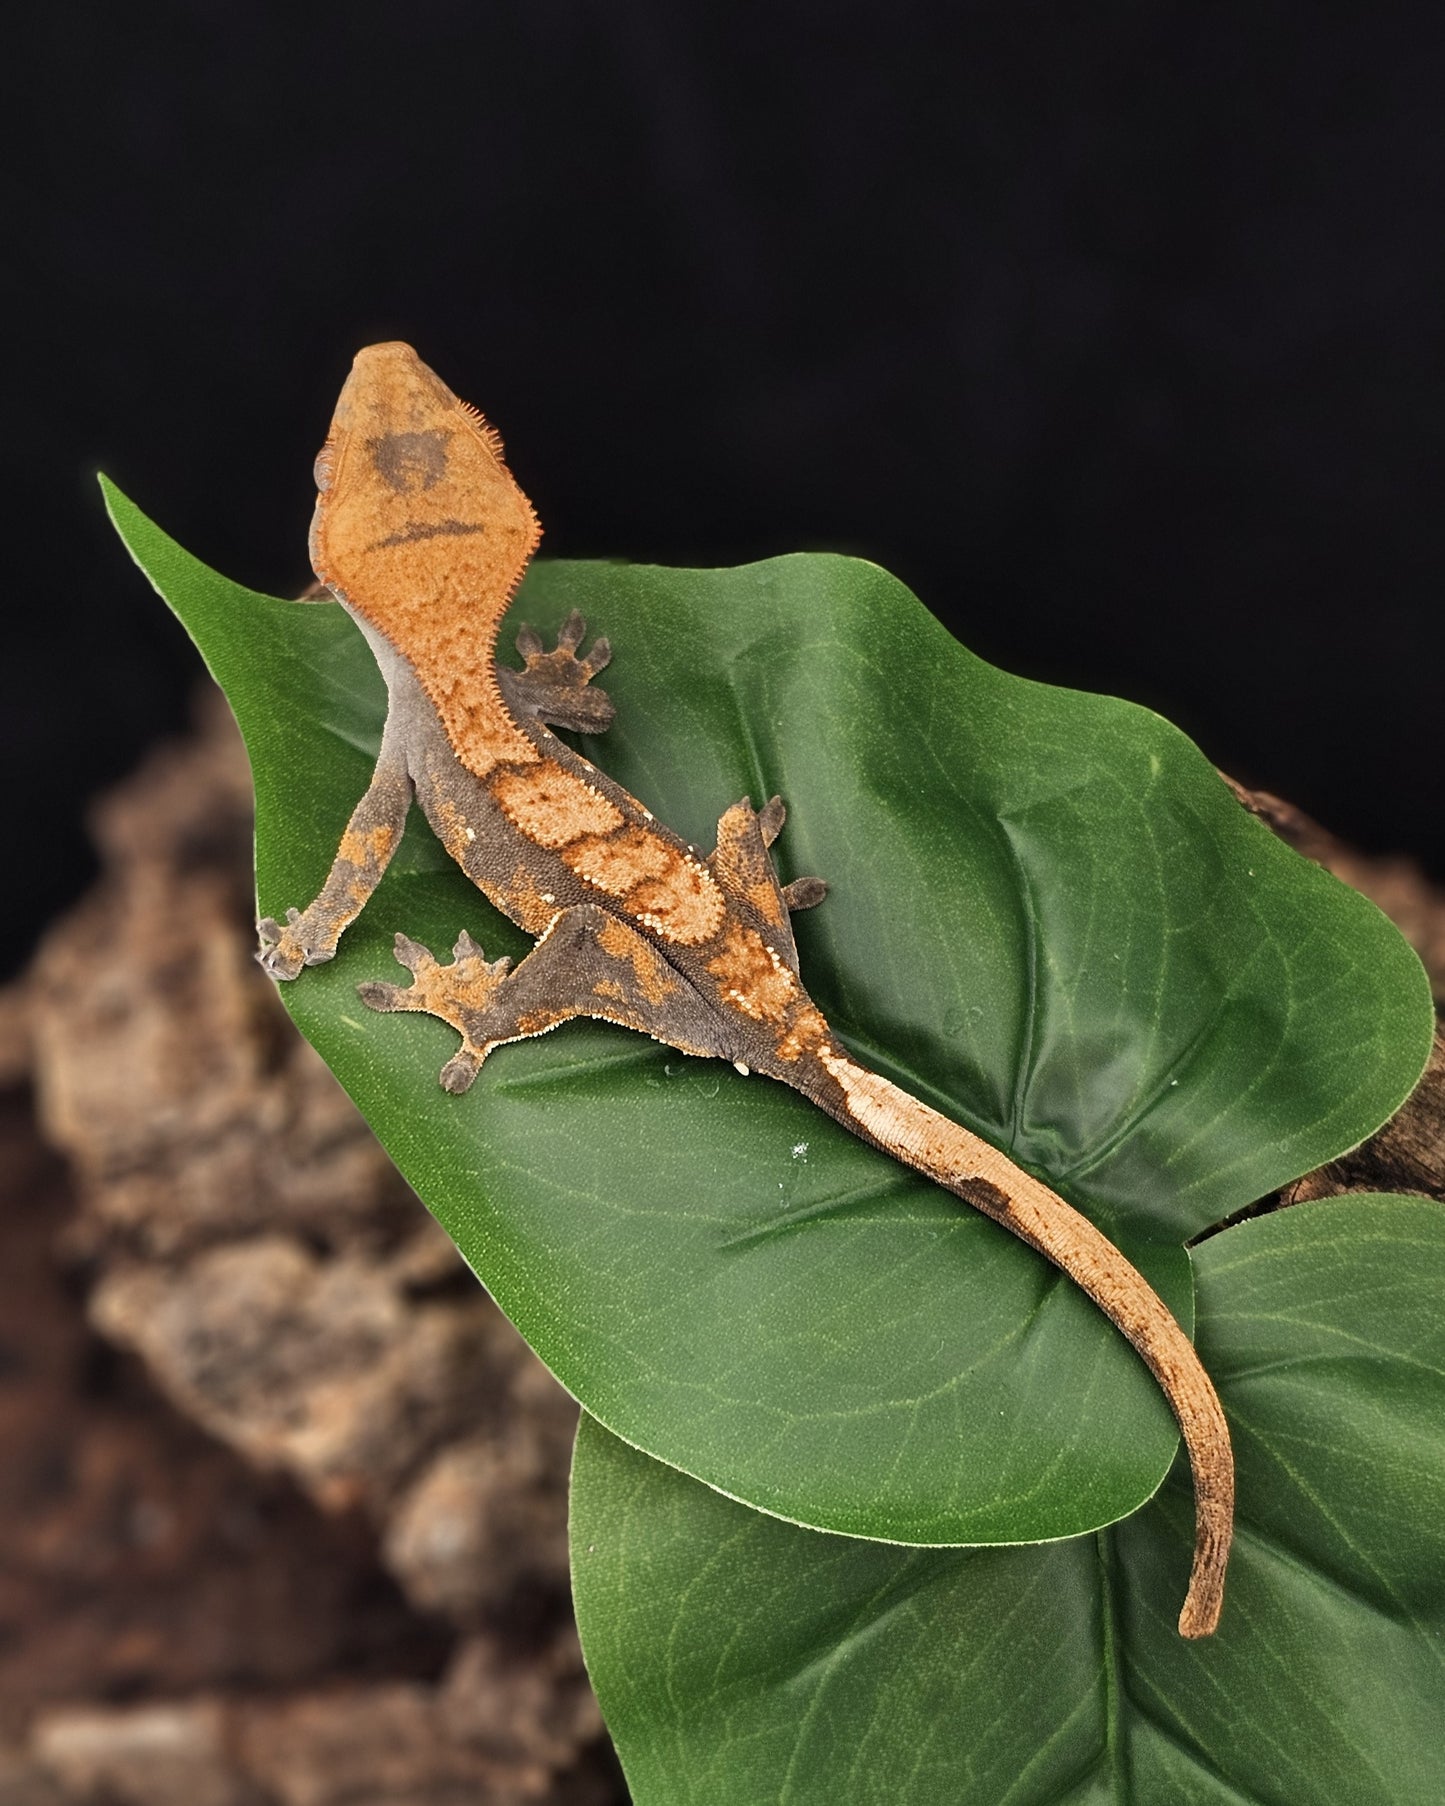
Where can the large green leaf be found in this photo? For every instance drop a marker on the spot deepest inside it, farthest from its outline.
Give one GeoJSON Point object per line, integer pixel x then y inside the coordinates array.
{"type": "Point", "coordinates": [1048, 917]}
{"type": "Point", "coordinates": [740, 1660]}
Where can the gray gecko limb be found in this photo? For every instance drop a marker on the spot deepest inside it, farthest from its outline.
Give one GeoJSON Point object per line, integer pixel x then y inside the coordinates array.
{"type": "Point", "coordinates": [588, 963]}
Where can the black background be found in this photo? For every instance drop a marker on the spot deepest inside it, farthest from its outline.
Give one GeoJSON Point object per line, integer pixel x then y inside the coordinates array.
{"type": "Point", "coordinates": [1114, 330]}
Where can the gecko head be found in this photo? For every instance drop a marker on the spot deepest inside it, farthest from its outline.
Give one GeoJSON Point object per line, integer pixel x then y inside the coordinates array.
{"type": "Point", "coordinates": [419, 525]}
{"type": "Point", "coordinates": [390, 377]}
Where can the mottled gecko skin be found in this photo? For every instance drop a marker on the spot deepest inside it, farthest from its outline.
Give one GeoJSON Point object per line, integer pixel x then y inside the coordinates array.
{"type": "Point", "coordinates": [423, 535]}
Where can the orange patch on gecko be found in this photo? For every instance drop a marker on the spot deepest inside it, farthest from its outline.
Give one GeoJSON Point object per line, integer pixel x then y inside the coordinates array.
{"type": "Point", "coordinates": [475, 719]}
{"type": "Point", "coordinates": [369, 847]}
{"type": "Point", "coordinates": [522, 899]}
{"type": "Point", "coordinates": [553, 807]}
{"type": "Point", "coordinates": [769, 905]}
{"type": "Point", "coordinates": [752, 977]}
{"type": "Point", "coordinates": [538, 1022]}
{"type": "Point", "coordinates": [653, 975]}
{"type": "Point", "coordinates": [684, 905]}
{"type": "Point", "coordinates": [807, 1031]}
{"type": "Point", "coordinates": [664, 889]}
{"type": "Point", "coordinates": [616, 862]}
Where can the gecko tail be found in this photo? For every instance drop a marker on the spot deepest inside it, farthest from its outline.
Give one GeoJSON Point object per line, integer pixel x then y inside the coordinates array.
{"type": "Point", "coordinates": [890, 1118]}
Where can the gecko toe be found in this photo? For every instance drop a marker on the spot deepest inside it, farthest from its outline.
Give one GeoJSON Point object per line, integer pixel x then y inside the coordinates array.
{"type": "Point", "coordinates": [771, 817]}
{"type": "Point", "coordinates": [275, 963]}
{"type": "Point", "coordinates": [457, 1075]}
{"type": "Point", "coordinates": [282, 952]}
{"type": "Point", "coordinates": [805, 893]}
{"type": "Point", "coordinates": [471, 965]}
{"type": "Point", "coordinates": [412, 954]}
{"type": "Point", "coordinates": [377, 995]}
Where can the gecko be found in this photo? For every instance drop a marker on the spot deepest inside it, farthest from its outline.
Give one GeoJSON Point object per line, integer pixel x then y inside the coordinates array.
{"type": "Point", "coordinates": [422, 535]}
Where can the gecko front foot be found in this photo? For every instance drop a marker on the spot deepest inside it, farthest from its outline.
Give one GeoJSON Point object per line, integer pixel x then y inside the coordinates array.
{"type": "Point", "coordinates": [556, 686]}
{"type": "Point", "coordinates": [285, 950]}
{"type": "Point", "coordinates": [458, 993]}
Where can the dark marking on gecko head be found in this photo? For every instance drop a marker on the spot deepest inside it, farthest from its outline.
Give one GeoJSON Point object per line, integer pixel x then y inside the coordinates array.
{"type": "Point", "coordinates": [410, 461]}
{"type": "Point", "coordinates": [436, 529]}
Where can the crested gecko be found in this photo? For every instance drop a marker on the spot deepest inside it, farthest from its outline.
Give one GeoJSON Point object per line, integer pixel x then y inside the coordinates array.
{"type": "Point", "coordinates": [422, 534]}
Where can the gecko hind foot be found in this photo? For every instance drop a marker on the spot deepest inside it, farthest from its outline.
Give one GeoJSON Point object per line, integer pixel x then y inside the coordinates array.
{"type": "Point", "coordinates": [805, 893]}
{"type": "Point", "coordinates": [802, 893]}
{"type": "Point", "coordinates": [458, 994]}
{"type": "Point", "coordinates": [556, 686]}
{"type": "Point", "coordinates": [743, 865]}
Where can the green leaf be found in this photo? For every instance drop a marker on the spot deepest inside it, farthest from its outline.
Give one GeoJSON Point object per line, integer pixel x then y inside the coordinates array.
{"type": "Point", "coordinates": [1048, 917]}
{"type": "Point", "coordinates": [741, 1660]}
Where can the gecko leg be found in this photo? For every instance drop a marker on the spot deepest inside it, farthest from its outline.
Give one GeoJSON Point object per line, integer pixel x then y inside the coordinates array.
{"type": "Point", "coordinates": [588, 963]}
{"type": "Point", "coordinates": [745, 870]}
{"type": "Point", "coordinates": [802, 893]}
{"type": "Point", "coordinates": [556, 686]}
{"type": "Point", "coordinates": [309, 936]}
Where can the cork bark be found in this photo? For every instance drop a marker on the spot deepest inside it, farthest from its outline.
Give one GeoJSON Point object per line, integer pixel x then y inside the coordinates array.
{"type": "Point", "coordinates": [283, 1513]}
